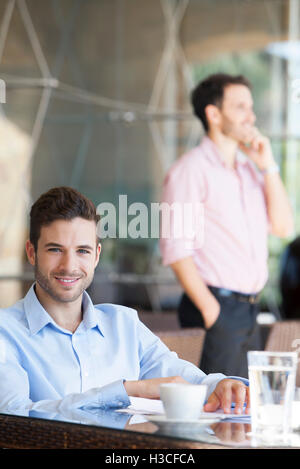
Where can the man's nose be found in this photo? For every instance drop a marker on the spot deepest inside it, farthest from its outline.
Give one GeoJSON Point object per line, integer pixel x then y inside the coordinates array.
{"type": "Point", "coordinates": [68, 263]}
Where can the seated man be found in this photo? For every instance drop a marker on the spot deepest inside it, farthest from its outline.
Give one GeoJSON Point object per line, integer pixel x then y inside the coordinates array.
{"type": "Point", "coordinates": [59, 351]}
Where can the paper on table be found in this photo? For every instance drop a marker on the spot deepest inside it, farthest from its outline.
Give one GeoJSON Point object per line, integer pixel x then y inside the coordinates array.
{"type": "Point", "coordinates": [140, 405]}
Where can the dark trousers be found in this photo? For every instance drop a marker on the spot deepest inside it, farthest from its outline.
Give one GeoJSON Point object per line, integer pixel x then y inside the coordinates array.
{"type": "Point", "coordinates": [226, 343]}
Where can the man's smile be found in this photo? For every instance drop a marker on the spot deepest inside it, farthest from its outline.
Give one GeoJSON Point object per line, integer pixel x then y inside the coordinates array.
{"type": "Point", "coordinates": [67, 280]}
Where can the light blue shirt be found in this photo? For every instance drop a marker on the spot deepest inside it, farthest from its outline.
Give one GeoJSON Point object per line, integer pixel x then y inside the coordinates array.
{"type": "Point", "coordinates": [47, 368]}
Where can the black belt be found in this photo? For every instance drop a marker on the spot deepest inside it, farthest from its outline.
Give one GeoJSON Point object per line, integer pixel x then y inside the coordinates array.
{"type": "Point", "coordinates": [253, 298]}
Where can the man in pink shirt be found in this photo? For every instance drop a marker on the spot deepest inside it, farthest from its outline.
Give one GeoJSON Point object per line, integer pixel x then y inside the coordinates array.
{"type": "Point", "coordinates": [233, 175]}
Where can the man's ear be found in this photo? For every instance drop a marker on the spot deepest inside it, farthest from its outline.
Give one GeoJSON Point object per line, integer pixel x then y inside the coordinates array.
{"type": "Point", "coordinates": [30, 251]}
{"type": "Point", "coordinates": [213, 115]}
{"type": "Point", "coordinates": [98, 251]}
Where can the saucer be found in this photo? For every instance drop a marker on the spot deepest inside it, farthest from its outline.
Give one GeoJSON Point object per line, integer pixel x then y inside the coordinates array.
{"type": "Point", "coordinates": [183, 427]}
{"type": "Point", "coordinates": [162, 420]}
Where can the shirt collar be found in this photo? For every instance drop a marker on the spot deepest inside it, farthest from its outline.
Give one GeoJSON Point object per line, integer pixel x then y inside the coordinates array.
{"type": "Point", "coordinates": [214, 154]}
{"type": "Point", "coordinates": [38, 317]}
{"type": "Point", "coordinates": [90, 317]}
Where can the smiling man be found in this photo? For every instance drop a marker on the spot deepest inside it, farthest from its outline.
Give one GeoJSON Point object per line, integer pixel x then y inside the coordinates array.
{"type": "Point", "coordinates": [234, 175]}
{"type": "Point", "coordinates": [62, 352]}
{"type": "Point", "coordinates": [64, 262]}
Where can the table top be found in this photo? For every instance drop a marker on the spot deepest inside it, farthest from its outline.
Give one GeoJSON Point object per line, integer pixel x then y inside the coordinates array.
{"type": "Point", "coordinates": [111, 429]}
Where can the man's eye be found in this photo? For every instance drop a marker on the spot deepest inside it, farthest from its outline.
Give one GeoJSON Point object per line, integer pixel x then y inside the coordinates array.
{"type": "Point", "coordinates": [54, 249]}
{"type": "Point", "coordinates": [83, 251]}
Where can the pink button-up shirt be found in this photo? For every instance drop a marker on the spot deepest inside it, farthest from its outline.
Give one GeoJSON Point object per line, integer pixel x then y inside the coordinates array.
{"type": "Point", "coordinates": [232, 250]}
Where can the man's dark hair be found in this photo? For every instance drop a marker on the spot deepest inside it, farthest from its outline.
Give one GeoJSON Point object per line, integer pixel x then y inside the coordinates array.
{"type": "Point", "coordinates": [211, 91]}
{"type": "Point", "coordinates": [59, 203]}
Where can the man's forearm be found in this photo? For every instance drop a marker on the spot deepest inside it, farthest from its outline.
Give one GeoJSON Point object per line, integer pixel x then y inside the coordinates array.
{"type": "Point", "coordinates": [193, 285]}
{"type": "Point", "coordinates": [149, 388]}
{"type": "Point", "coordinates": [278, 206]}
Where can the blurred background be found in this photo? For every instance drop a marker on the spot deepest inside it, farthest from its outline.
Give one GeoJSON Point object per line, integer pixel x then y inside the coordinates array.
{"type": "Point", "coordinates": [97, 98]}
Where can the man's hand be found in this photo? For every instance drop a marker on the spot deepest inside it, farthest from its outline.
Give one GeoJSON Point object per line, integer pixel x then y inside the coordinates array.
{"type": "Point", "coordinates": [259, 150]}
{"type": "Point", "coordinates": [232, 432]}
{"type": "Point", "coordinates": [188, 275]}
{"type": "Point", "coordinates": [280, 213]}
{"type": "Point", "coordinates": [149, 388]}
{"type": "Point", "coordinates": [228, 391]}
{"type": "Point", "coordinates": [212, 313]}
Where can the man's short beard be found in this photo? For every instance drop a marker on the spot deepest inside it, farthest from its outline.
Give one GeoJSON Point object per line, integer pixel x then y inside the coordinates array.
{"type": "Point", "coordinates": [44, 284]}
{"type": "Point", "coordinates": [229, 130]}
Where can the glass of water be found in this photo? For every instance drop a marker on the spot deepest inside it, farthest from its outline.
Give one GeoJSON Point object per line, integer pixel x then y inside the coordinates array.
{"type": "Point", "coordinates": [296, 411]}
{"type": "Point", "coordinates": [272, 377]}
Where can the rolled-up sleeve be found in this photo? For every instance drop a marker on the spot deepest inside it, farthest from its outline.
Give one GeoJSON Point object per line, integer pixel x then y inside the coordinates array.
{"type": "Point", "coordinates": [15, 389]}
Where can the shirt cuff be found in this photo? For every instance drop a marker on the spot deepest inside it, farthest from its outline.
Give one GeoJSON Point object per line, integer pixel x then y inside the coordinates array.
{"type": "Point", "coordinates": [113, 395]}
{"type": "Point", "coordinates": [244, 380]}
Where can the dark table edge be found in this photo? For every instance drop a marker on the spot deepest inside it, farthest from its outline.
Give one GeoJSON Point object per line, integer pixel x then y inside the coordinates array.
{"type": "Point", "coordinates": [21, 432]}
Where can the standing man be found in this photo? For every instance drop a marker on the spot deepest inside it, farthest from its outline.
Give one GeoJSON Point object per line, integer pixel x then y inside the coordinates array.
{"type": "Point", "coordinates": [232, 173]}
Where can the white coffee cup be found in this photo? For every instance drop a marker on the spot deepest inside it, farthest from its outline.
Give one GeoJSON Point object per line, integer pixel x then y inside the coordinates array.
{"type": "Point", "coordinates": [183, 401]}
